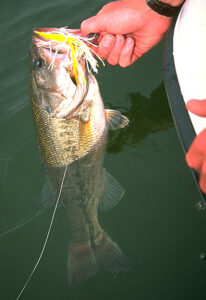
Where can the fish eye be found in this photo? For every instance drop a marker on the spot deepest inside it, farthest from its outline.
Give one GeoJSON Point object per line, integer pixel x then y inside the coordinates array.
{"type": "Point", "coordinates": [37, 63]}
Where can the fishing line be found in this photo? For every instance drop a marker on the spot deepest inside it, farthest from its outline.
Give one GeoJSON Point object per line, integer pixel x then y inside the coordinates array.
{"type": "Point", "coordinates": [47, 237]}
{"type": "Point", "coordinates": [50, 226]}
{"type": "Point", "coordinates": [92, 61]}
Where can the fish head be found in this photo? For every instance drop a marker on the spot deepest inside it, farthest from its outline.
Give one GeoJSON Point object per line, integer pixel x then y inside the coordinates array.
{"type": "Point", "coordinates": [57, 83]}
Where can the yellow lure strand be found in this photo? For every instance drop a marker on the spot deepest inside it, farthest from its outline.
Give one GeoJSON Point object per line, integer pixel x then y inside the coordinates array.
{"type": "Point", "coordinates": [72, 42]}
{"type": "Point", "coordinates": [51, 36]}
{"type": "Point", "coordinates": [75, 66]}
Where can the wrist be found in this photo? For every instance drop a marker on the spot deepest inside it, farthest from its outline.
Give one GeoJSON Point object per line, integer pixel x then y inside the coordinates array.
{"type": "Point", "coordinates": [164, 7]}
{"type": "Point", "coordinates": [173, 2]}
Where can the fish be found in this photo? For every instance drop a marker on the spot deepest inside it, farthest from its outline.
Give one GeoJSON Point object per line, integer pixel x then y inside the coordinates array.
{"type": "Point", "coordinates": [72, 127]}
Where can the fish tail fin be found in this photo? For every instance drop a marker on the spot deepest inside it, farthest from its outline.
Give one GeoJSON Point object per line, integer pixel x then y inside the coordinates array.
{"type": "Point", "coordinates": [85, 262]}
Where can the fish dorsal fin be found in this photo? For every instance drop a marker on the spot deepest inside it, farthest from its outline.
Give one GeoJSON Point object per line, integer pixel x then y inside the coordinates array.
{"type": "Point", "coordinates": [112, 192]}
{"type": "Point", "coordinates": [115, 119]}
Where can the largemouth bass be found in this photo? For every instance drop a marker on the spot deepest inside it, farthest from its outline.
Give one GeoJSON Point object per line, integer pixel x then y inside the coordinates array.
{"type": "Point", "coordinates": [72, 127]}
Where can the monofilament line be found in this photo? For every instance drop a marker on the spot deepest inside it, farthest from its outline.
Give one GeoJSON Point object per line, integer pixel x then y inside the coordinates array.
{"type": "Point", "coordinates": [50, 225]}
{"type": "Point", "coordinates": [47, 236]}
{"type": "Point", "coordinates": [88, 56]}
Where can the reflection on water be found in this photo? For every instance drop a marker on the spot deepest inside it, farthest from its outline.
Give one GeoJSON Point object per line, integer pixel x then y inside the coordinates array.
{"type": "Point", "coordinates": [146, 115]}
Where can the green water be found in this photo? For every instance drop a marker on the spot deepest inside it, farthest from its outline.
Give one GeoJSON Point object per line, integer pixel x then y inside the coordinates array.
{"type": "Point", "coordinates": [156, 224]}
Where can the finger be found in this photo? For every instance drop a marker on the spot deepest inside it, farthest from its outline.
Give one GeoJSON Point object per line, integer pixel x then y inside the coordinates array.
{"type": "Point", "coordinates": [92, 25]}
{"type": "Point", "coordinates": [202, 183]}
{"type": "Point", "coordinates": [113, 58]}
{"type": "Point", "coordinates": [203, 168]}
{"type": "Point", "coordinates": [105, 46]}
{"type": "Point", "coordinates": [200, 142]}
{"type": "Point", "coordinates": [134, 58]}
{"type": "Point", "coordinates": [194, 158]}
{"type": "Point", "coordinates": [137, 53]}
{"type": "Point", "coordinates": [125, 58]}
{"type": "Point", "coordinates": [197, 107]}
{"type": "Point", "coordinates": [100, 36]}
{"type": "Point", "coordinates": [203, 177]}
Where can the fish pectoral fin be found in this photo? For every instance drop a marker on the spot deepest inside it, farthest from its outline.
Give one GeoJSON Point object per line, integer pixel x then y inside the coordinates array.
{"type": "Point", "coordinates": [112, 192]}
{"type": "Point", "coordinates": [85, 115]}
{"type": "Point", "coordinates": [115, 119]}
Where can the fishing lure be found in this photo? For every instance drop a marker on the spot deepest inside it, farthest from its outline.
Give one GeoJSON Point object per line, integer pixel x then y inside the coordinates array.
{"type": "Point", "coordinates": [76, 44]}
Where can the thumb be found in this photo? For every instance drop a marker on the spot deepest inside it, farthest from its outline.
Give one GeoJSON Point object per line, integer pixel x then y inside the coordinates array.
{"type": "Point", "coordinates": [92, 25]}
{"type": "Point", "coordinates": [197, 107]}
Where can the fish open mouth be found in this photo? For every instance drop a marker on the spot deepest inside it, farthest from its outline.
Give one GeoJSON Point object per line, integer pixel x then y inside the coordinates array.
{"type": "Point", "coordinates": [66, 47]}
{"type": "Point", "coordinates": [59, 46]}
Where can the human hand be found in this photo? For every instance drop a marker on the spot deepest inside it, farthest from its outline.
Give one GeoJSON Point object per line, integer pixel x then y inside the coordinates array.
{"type": "Point", "coordinates": [127, 29]}
{"type": "Point", "coordinates": [196, 156]}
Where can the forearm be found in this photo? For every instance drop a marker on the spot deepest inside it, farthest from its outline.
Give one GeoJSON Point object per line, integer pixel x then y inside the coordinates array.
{"type": "Point", "coordinates": [167, 8]}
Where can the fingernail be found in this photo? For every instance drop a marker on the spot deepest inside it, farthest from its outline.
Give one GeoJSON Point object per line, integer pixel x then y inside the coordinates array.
{"type": "Point", "coordinates": [107, 41]}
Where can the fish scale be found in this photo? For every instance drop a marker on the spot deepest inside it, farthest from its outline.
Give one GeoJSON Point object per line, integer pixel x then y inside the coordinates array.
{"type": "Point", "coordinates": [61, 135]}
